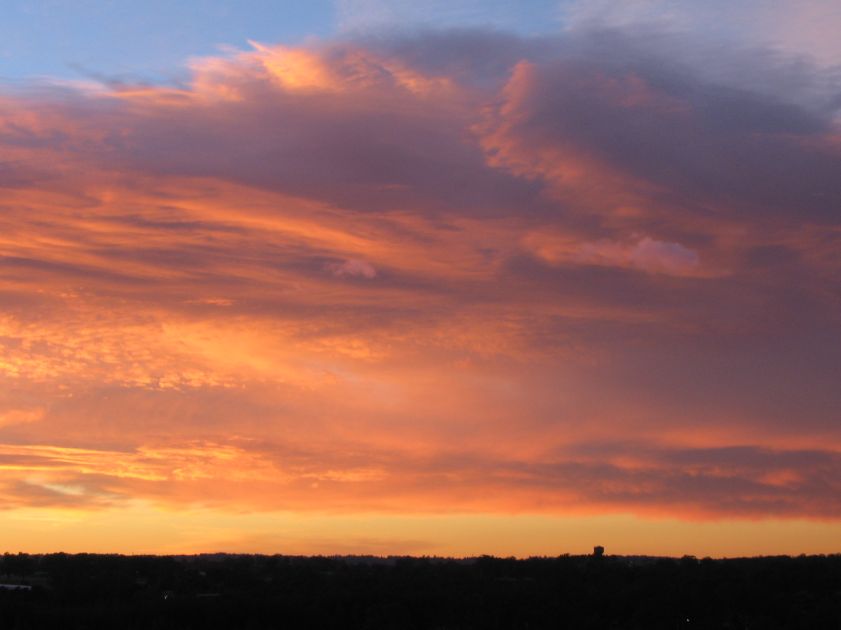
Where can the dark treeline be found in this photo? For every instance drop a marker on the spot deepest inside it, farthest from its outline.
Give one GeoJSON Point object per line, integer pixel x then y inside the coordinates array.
{"type": "Point", "coordinates": [243, 591]}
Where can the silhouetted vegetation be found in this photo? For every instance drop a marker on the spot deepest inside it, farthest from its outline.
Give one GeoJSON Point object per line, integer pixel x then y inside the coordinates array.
{"type": "Point", "coordinates": [250, 592]}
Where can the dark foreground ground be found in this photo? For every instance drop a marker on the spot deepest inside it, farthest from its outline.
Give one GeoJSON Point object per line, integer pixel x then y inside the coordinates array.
{"type": "Point", "coordinates": [577, 592]}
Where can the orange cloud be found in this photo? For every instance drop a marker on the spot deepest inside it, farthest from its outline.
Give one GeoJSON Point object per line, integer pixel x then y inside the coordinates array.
{"type": "Point", "coordinates": [354, 278]}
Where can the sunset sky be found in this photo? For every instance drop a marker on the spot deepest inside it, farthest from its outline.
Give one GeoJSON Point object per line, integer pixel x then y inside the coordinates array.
{"type": "Point", "coordinates": [446, 278]}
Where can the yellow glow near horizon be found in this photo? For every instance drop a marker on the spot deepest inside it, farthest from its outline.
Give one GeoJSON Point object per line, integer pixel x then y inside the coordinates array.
{"type": "Point", "coordinates": [143, 529]}
{"type": "Point", "coordinates": [347, 298]}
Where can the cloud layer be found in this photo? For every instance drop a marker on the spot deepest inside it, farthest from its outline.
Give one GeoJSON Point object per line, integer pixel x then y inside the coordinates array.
{"type": "Point", "coordinates": [451, 271]}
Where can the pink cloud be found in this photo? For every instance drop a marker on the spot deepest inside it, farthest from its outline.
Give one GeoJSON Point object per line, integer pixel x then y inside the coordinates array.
{"type": "Point", "coordinates": [663, 257]}
{"type": "Point", "coordinates": [602, 284]}
{"type": "Point", "coordinates": [353, 267]}
{"type": "Point", "coordinates": [646, 254]}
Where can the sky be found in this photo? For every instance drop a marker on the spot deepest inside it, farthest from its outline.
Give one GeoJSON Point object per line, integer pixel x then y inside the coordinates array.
{"type": "Point", "coordinates": [420, 278]}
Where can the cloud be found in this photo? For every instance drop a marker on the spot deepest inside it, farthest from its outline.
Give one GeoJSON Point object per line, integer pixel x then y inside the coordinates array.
{"type": "Point", "coordinates": [357, 16]}
{"type": "Point", "coordinates": [353, 267]}
{"type": "Point", "coordinates": [645, 254]}
{"type": "Point", "coordinates": [660, 256]}
{"type": "Point", "coordinates": [617, 134]}
{"type": "Point", "coordinates": [20, 416]}
{"type": "Point", "coordinates": [580, 478]}
{"type": "Point", "coordinates": [806, 29]}
{"type": "Point", "coordinates": [446, 270]}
